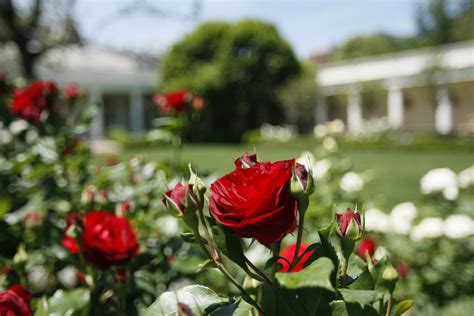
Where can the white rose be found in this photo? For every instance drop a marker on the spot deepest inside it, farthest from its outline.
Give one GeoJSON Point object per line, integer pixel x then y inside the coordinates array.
{"type": "Point", "coordinates": [18, 126]}
{"type": "Point", "coordinates": [351, 182]}
{"type": "Point", "coordinates": [321, 169]}
{"type": "Point", "coordinates": [458, 226]}
{"type": "Point", "coordinates": [466, 178]}
{"type": "Point", "coordinates": [442, 180]}
{"type": "Point", "coordinates": [402, 216]}
{"type": "Point", "coordinates": [40, 278]}
{"type": "Point", "coordinates": [68, 277]}
{"type": "Point", "coordinates": [376, 220]}
{"type": "Point", "coordinates": [168, 225]}
{"type": "Point", "coordinates": [430, 227]}
{"type": "Point", "coordinates": [5, 137]}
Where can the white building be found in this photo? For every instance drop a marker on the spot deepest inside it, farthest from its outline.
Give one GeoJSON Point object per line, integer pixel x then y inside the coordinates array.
{"type": "Point", "coordinates": [429, 89]}
{"type": "Point", "coordinates": [121, 84]}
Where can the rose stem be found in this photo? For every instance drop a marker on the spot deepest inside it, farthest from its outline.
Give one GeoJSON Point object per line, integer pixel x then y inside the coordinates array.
{"type": "Point", "coordinates": [299, 237]}
{"type": "Point", "coordinates": [389, 305]}
{"type": "Point", "coordinates": [219, 265]}
{"type": "Point", "coordinates": [276, 251]}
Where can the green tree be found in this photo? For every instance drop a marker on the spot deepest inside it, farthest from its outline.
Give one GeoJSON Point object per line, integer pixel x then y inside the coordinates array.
{"type": "Point", "coordinates": [298, 97]}
{"type": "Point", "coordinates": [237, 68]}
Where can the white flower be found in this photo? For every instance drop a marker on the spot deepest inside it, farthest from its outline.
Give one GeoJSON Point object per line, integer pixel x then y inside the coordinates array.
{"type": "Point", "coordinates": [430, 227]}
{"type": "Point", "coordinates": [68, 277]}
{"type": "Point", "coordinates": [335, 127]}
{"type": "Point", "coordinates": [402, 216]}
{"type": "Point", "coordinates": [376, 220]}
{"type": "Point", "coordinates": [466, 178]}
{"type": "Point", "coordinates": [31, 136]}
{"type": "Point", "coordinates": [168, 225]}
{"type": "Point", "coordinates": [5, 137]}
{"type": "Point", "coordinates": [321, 169]}
{"type": "Point", "coordinates": [458, 226]}
{"type": "Point", "coordinates": [330, 144]}
{"type": "Point", "coordinates": [380, 253]}
{"type": "Point", "coordinates": [18, 126]}
{"type": "Point", "coordinates": [40, 278]}
{"type": "Point", "coordinates": [351, 182]}
{"type": "Point", "coordinates": [320, 131]}
{"type": "Point", "coordinates": [442, 180]}
{"type": "Point", "coordinates": [306, 159]}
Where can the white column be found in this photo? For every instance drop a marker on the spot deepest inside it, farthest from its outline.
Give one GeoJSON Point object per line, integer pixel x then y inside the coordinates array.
{"type": "Point", "coordinates": [395, 107]}
{"type": "Point", "coordinates": [136, 110]}
{"type": "Point", "coordinates": [97, 124]}
{"type": "Point", "coordinates": [354, 111]}
{"type": "Point", "coordinates": [321, 111]}
{"type": "Point", "coordinates": [444, 111]}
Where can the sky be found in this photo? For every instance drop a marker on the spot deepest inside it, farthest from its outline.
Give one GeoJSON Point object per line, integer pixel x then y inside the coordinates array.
{"type": "Point", "coordinates": [310, 26]}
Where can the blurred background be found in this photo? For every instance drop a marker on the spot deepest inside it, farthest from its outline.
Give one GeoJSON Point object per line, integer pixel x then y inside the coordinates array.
{"type": "Point", "coordinates": [376, 96]}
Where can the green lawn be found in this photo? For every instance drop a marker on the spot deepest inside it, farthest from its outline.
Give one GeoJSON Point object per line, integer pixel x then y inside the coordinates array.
{"type": "Point", "coordinates": [396, 173]}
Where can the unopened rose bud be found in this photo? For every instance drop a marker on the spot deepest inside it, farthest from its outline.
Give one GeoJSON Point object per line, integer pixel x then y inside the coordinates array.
{"type": "Point", "coordinates": [350, 225]}
{"type": "Point", "coordinates": [302, 181]}
{"type": "Point", "coordinates": [180, 198]}
{"type": "Point", "coordinates": [390, 273]}
{"type": "Point", "coordinates": [21, 256]}
{"type": "Point", "coordinates": [123, 208]}
{"type": "Point", "coordinates": [87, 195]}
{"type": "Point", "coordinates": [246, 161]}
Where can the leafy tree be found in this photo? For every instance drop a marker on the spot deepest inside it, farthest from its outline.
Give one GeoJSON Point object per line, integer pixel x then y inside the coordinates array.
{"type": "Point", "coordinates": [36, 27]}
{"type": "Point", "coordinates": [298, 97]}
{"type": "Point", "coordinates": [237, 68]}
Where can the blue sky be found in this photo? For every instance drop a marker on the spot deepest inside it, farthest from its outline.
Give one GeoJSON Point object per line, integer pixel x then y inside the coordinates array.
{"type": "Point", "coordinates": [310, 26]}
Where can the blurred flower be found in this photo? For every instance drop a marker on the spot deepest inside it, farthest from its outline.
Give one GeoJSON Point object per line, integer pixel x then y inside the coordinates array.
{"type": "Point", "coordinates": [68, 277]}
{"type": "Point", "coordinates": [198, 103]}
{"type": "Point", "coordinates": [15, 301]}
{"type": "Point", "coordinates": [320, 131]}
{"type": "Point", "coordinates": [402, 216]}
{"type": "Point", "coordinates": [168, 225]}
{"type": "Point", "coordinates": [335, 126]}
{"type": "Point", "coordinates": [458, 226]}
{"type": "Point", "coordinates": [174, 101]}
{"type": "Point", "coordinates": [442, 180]}
{"type": "Point", "coordinates": [379, 254]}
{"type": "Point", "coordinates": [330, 144]}
{"type": "Point", "coordinates": [351, 182]}
{"type": "Point", "coordinates": [5, 136]}
{"type": "Point", "coordinates": [18, 126]}
{"type": "Point", "coordinates": [101, 197]}
{"type": "Point", "coordinates": [403, 270]}
{"type": "Point", "coordinates": [430, 227]}
{"type": "Point", "coordinates": [466, 178]}
{"type": "Point", "coordinates": [72, 91]}
{"type": "Point", "coordinates": [87, 195]}
{"type": "Point", "coordinates": [321, 169]}
{"type": "Point", "coordinates": [287, 255]}
{"type": "Point", "coordinates": [366, 246]}
{"type": "Point", "coordinates": [40, 278]}
{"type": "Point", "coordinates": [278, 133]}
{"type": "Point", "coordinates": [376, 220]}
{"type": "Point", "coordinates": [32, 219]}
{"type": "Point", "coordinates": [123, 208]}
{"type": "Point", "coordinates": [30, 103]}
{"type": "Point", "coordinates": [350, 224]}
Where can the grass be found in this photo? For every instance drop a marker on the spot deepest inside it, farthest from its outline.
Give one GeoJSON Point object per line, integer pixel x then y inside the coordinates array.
{"type": "Point", "coordinates": [396, 173]}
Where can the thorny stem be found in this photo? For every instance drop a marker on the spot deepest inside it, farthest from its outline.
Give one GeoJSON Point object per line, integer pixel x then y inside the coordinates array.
{"type": "Point", "coordinates": [259, 272]}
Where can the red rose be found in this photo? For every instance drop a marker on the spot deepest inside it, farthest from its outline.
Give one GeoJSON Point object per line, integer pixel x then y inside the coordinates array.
{"type": "Point", "coordinates": [289, 252]}
{"type": "Point", "coordinates": [15, 301]}
{"type": "Point", "coordinates": [68, 242]}
{"type": "Point", "coordinates": [108, 239]}
{"type": "Point", "coordinates": [256, 202]}
{"type": "Point", "coordinates": [31, 102]}
{"type": "Point", "coordinates": [72, 91]}
{"type": "Point", "coordinates": [366, 245]}
{"type": "Point", "coordinates": [175, 101]}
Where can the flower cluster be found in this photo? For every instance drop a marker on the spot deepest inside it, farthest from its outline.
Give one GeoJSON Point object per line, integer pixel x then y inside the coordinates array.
{"type": "Point", "coordinates": [31, 102]}
{"type": "Point", "coordinates": [178, 101]}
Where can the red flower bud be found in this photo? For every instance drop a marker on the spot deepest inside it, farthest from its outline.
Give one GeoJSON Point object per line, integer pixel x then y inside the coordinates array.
{"type": "Point", "coordinates": [178, 198]}
{"type": "Point", "coordinates": [72, 91]}
{"type": "Point", "coordinates": [350, 224]}
{"type": "Point", "coordinates": [246, 160]}
{"type": "Point", "coordinates": [366, 246]}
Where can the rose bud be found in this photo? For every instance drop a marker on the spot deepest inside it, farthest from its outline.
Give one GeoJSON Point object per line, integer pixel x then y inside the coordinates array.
{"type": "Point", "coordinates": [198, 103]}
{"type": "Point", "coordinates": [350, 225]}
{"type": "Point", "coordinates": [390, 276]}
{"type": "Point", "coordinates": [73, 223]}
{"type": "Point", "coordinates": [288, 254]}
{"type": "Point", "coordinates": [87, 195]}
{"type": "Point", "coordinates": [246, 161]}
{"type": "Point", "coordinates": [124, 207]}
{"type": "Point", "coordinates": [21, 256]}
{"type": "Point", "coordinates": [72, 91]}
{"type": "Point", "coordinates": [256, 202]}
{"type": "Point", "coordinates": [15, 301]}
{"type": "Point", "coordinates": [302, 181]}
{"type": "Point", "coordinates": [181, 198]}
{"type": "Point", "coordinates": [102, 197]}
{"type": "Point", "coordinates": [366, 247]}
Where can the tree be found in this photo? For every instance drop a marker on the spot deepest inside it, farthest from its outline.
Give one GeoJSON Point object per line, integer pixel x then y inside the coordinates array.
{"type": "Point", "coordinates": [37, 28]}
{"type": "Point", "coordinates": [298, 97]}
{"type": "Point", "coordinates": [238, 69]}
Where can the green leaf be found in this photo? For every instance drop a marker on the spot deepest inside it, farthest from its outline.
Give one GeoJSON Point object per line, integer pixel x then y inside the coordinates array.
{"type": "Point", "coordinates": [338, 308]}
{"type": "Point", "coordinates": [361, 297]}
{"type": "Point", "coordinates": [5, 205]}
{"type": "Point", "coordinates": [316, 275]}
{"type": "Point", "coordinates": [402, 307]}
{"type": "Point", "coordinates": [195, 298]}
{"type": "Point", "coordinates": [230, 244]}
{"type": "Point", "coordinates": [64, 302]}
{"type": "Point", "coordinates": [189, 237]}
{"type": "Point", "coordinates": [363, 282]}
{"type": "Point", "coordinates": [341, 308]}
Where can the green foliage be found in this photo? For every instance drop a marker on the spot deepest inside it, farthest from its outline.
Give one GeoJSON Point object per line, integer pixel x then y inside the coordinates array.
{"type": "Point", "coordinates": [237, 69]}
